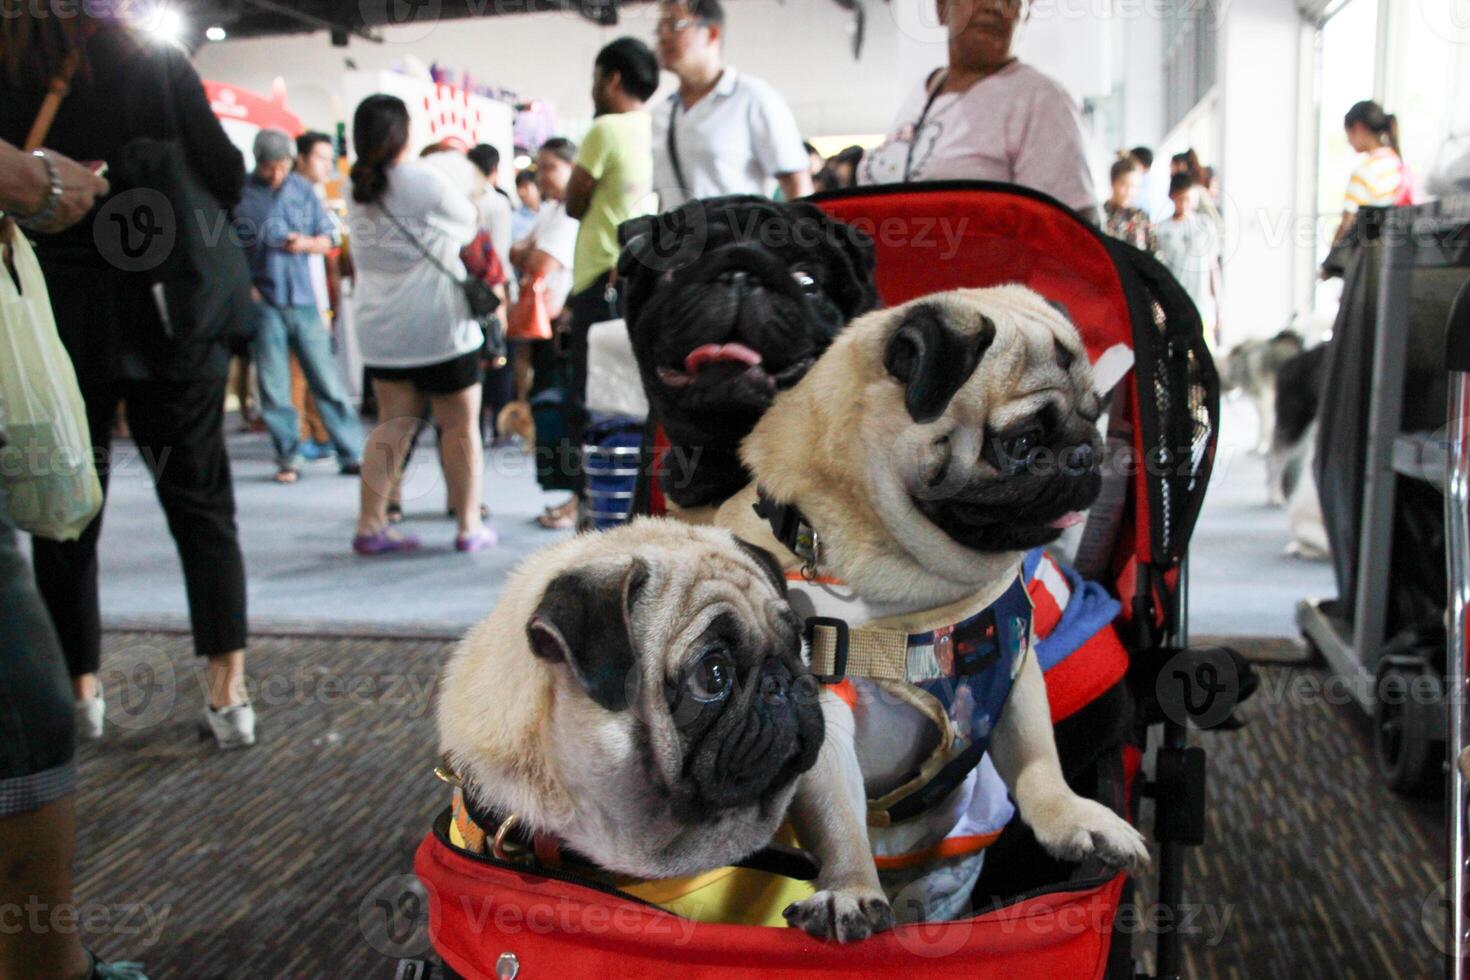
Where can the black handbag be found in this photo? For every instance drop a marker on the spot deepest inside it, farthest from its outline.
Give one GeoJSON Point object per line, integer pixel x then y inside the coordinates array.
{"type": "Point", "coordinates": [204, 277]}
{"type": "Point", "coordinates": [478, 294]}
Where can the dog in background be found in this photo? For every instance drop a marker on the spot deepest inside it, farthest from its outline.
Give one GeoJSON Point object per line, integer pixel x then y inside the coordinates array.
{"type": "Point", "coordinates": [728, 302]}
{"type": "Point", "coordinates": [1289, 464]}
{"type": "Point", "coordinates": [515, 419]}
{"type": "Point", "coordinates": [1250, 368]}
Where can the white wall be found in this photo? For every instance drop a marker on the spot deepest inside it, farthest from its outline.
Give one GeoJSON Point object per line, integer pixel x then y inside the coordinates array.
{"type": "Point", "coordinates": [803, 47]}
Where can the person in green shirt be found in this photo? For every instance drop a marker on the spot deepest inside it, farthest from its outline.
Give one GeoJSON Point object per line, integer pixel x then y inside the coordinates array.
{"type": "Point", "coordinates": [613, 177]}
{"type": "Point", "coordinates": [611, 182]}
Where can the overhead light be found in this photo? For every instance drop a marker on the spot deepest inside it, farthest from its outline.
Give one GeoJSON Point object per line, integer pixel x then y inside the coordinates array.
{"type": "Point", "coordinates": [216, 34]}
{"type": "Point", "coordinates": [521, 162]}
{"type": "Point", "coordinates": [167, 24]}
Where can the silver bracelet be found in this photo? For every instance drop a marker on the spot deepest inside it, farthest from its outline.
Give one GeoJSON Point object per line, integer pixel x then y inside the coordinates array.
{"type": "Point", "coordinates": [53, 196]}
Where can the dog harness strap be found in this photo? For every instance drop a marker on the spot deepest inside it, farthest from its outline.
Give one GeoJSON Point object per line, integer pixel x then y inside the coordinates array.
{"type": "Point", "coordinates": [965, 671]}
{"type": "Point", "coordinates": [878, 654]}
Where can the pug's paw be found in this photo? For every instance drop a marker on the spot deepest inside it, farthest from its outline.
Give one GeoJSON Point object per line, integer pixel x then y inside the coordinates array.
{"type": "Point", "coordinates": [1072, 828]}
{"type": "Point", "coordinates": [845, 915]}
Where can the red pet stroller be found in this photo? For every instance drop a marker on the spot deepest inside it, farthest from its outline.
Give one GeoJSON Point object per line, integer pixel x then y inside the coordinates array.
{"type": "Point", "coordinates": [1033, 916]}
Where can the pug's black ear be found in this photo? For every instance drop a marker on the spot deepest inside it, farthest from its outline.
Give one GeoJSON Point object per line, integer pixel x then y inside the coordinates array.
{"type": "Point", "coordinates": [858, 247]}
{"type": "Point", "coordinates": [767, 562]}
{"type": "Point", "coordinates": [933, 360]}
{"type": "Point", "coordinates": [584, 621]}
{"type": "Point", "coordinates": [633, 227]}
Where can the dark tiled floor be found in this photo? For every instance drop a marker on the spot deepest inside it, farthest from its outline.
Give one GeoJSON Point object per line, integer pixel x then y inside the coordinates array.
{"type": "Point", "coordinates": [283, 861]}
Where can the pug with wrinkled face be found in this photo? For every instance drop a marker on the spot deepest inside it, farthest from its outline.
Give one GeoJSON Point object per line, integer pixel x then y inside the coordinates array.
{"type": "Point", "coordinates": [641, 695]}
{"type": "Point", "coordinates": [929, 448]}
{"type": "Point", "coordinates": [729, 301]}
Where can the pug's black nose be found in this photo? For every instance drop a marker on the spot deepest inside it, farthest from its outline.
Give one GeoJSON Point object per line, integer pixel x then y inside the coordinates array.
{"type": "Point", "coordinates": [733, 277]}
{"type": "Point", "coordinates": [1080, 458]}
{"type": "Point", "coordinates": [773, 688]}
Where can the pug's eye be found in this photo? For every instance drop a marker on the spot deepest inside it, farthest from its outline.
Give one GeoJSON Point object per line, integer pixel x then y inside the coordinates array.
{"type": "Point", "coordinates": [805, 281]}
{"type": "Point", "coordinates": [1019, 447]}
{"type": "Point", "coordinates": [1012, 453]}
{"type": "Point", "coordinates": [711, 678]}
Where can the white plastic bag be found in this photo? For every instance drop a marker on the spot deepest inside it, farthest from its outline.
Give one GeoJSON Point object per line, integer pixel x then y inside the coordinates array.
{"type": "Point", "coordinates": [46, 460]}
{"type": "Point", "coordinates": [613, 382]}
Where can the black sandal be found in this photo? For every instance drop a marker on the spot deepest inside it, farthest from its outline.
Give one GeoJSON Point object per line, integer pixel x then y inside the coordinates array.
{"type": "Point", "coordinates": [395, 513]}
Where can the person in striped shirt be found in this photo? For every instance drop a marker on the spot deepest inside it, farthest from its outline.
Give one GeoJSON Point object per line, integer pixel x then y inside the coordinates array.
{"type": "Point", "coordinates": [1379, 179]}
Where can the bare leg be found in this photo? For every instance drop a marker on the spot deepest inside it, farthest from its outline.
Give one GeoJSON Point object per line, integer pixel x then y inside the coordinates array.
{"type": "Point", "coordinates": [521, 361]}
{"type": "Point", "coordinates": [461, 454]}
{"type": "Point", "coordinates": [226, 679]}
{"type": "Point", "coordinates": [36, 850]}
{"type": "Point", "coordinates": [399, 410]}
{"type": "Point", "coordinates": [84, 686]}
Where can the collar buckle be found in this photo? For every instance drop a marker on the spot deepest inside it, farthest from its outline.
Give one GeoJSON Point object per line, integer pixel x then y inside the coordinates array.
{"type": "Point", "coordinates": [841, 642]}
{"type": "Point", "coordinates": [793, 530]}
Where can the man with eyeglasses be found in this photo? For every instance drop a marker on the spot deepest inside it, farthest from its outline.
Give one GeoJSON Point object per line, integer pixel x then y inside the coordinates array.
{"type": "Point", "coordinates": [723, 132]}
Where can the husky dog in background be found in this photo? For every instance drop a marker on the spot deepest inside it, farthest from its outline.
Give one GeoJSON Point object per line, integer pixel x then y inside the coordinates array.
{"type": "Point", "coordinates": [1250, 368]}
{"type": "Point", "coordinates": [1292, 457]}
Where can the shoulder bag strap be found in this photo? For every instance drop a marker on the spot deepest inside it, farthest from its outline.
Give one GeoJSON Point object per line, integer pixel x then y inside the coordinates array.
{"type": "Point", "coordinates": [935, 85]}
{"type": "Point", "coordinates": [51, 104]}
{"type": "Point", "coordinates": [433, 260]}
{"type": "Point", "coordinates": [674, 144]}
{"type": "Point", "coordinates": [40, 127]}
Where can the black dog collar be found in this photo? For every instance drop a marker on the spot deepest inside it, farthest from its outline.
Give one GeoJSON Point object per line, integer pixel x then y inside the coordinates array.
{"type": "Point", "coordinates": [791, 528]}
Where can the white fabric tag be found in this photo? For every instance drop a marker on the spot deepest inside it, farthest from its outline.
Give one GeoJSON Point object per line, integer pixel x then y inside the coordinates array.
{"type": "Point", "coordinates": [1115, 362]}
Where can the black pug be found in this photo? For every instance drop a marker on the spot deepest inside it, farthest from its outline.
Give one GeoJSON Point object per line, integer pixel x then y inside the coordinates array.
{"type": "Point", "coordinates": [729, 300]}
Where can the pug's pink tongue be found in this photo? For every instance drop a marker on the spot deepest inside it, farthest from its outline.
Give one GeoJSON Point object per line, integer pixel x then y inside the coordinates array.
{"type": "Point", "coordinates": [1069, 520]}
{"type": "Point", "coordinates": [714, 353]}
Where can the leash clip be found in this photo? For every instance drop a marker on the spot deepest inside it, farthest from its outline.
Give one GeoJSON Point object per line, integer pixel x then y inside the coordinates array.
{"type": "Point", "coordinates": [445, 773]}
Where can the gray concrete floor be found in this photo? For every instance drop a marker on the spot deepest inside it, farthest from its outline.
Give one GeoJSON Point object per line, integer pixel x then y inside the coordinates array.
{"type": "Point", "coordinates": [299, 564]}
{"type": "Point", "coordinates": [301, 570]}
{"type": "Point", "coordinates": [1242, 582]}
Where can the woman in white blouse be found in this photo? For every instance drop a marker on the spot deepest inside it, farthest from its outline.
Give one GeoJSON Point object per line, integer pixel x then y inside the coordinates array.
{"type": "Point", "coordinates": [419, 341]}
{"type": "Point", "coordinates": [987, 116]}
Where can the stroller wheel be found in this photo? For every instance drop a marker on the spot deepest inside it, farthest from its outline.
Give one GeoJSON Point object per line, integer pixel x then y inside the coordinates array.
{"type": "Point", "coordinates": [1408, 716]}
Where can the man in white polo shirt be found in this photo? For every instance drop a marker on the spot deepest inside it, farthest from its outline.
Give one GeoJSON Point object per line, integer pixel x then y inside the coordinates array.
{"type": "Point", "coordinates": [722, 132]}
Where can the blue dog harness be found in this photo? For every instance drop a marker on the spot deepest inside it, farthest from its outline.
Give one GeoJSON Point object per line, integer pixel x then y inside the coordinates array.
{"type": "Point", "coordinates": [962, 675]}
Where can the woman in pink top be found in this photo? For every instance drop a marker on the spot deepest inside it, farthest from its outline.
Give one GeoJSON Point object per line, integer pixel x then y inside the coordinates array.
{"type": "Point", "coordinates": [987, 116]}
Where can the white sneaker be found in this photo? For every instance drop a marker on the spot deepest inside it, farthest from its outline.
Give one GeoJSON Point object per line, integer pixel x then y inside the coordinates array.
{"type": "Point", "coordinates": [232, 727]}
{"type": "Point", "coordinates": [89, 713]}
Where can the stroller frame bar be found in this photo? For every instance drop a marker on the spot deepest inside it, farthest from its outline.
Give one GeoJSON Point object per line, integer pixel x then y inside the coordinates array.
{"type": "Point", "coordinates": [1457, 557]}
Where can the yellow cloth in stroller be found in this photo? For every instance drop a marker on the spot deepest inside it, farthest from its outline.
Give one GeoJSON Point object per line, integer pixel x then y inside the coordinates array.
{"type": "Point", "coordinates": [731, 896]}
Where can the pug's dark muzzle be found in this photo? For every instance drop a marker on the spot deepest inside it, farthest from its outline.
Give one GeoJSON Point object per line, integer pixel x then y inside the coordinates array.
{"type": "Point", "coordinates": [1039, 490]}
{"type": "Point", "coordinates": [760, 740]}
{"type": "Point", "coordinates": [733, 329]}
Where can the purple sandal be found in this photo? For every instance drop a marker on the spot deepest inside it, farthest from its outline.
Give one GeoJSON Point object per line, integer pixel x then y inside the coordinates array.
{"type": "Point", "coordinates": [484, 538]}
{"type": "Point", "coordinates": [381, 542]}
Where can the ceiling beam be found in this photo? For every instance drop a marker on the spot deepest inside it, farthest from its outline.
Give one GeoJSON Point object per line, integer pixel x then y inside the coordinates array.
{"type": "Point", "coordinates": [311, 20]}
